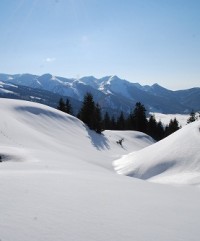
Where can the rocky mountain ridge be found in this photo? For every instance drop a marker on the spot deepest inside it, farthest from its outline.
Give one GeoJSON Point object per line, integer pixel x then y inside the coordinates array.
{"type": "Point", "coordinates": [111, 92]}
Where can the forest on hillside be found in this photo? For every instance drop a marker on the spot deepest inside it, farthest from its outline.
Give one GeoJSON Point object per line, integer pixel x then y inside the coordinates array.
{"type": "Point", "coordinates": [91, 114]}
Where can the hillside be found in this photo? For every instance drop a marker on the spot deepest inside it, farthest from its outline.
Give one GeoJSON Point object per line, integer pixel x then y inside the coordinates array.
{"type": "Point", "coordinates": [30, 126]}
{"type": "Point", "coordinates": [57, 183]}
{"type": "Point", "coordinates": [175, 159]}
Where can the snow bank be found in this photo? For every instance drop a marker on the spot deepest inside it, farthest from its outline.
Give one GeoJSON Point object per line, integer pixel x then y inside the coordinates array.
{"type": "Point", "coordinates": [175, 159]}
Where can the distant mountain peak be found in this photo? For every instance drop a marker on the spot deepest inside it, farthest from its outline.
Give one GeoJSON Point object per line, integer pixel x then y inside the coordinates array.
{"type": "Point", "coordinates": [114, 77]}
{"type": "Point", "coordinates": [156, 85]}
{"type": "Point", "coordinates": [47, 75]}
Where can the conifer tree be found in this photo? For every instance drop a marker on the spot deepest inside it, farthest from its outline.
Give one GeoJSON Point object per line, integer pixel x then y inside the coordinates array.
{"type": "Point", "coordinates": [90, 113]}
{"type": "Point", "coordinates": [139, 118]}
{"type": "Point", "coordinates": [152, 127]}
{"type": "Point", "coordinates": [192, 117]}
{"type": "Point", "coordinates": [130, 124]}
{"type": "Point", "coordinates": [106, 122]}
{"type": "Point", "coordinates": [87, 111]}
{"type": "Point", "coordinates": [121, 122]}
{"type": "Point", "coordinates": [113, 123]}
{"type": "Point", "coordinates": [68, 107]}
{"type": "Point", "coordinates": [172, 127]}
{"type": "Point", "coordinates": [61, 105]}
{"type": "Point", "coordinates": [97, 119]}
{"type": "Point", "coordinates": [159, 131]}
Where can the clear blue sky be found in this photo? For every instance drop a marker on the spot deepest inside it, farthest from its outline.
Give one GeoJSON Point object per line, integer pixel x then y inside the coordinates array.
{"type": "Point", "coordinates": [145, 41]}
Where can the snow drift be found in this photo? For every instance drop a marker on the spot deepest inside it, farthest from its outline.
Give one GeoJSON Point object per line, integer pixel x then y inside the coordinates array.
{"type": "Point", "coordinates": [175, 159]}
{"type": "Point", "coordinates": [27, 129]}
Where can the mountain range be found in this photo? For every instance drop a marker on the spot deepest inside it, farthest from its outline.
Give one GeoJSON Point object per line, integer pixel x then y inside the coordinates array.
{"type": "Point", "coordinates": [112, 93]}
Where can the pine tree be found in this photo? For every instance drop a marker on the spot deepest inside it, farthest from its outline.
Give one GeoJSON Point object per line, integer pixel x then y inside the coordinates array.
{"type": "Point", "coordinates": [139, 118]}
{"type": "Point", "coordinates": [172, 127]}
{"type": "Point", "coordinates": [97, 119]}
{"type": "Point", "coordinates": [192, 117]}
{"type": "Point", "coordinates": [61, 105]}
{"type": "Point", "coordinates": [106, 122]}
{"type": "Point", "coordinates": [130, 124]}
{"type": "Point", "coordinates": [121, 122]}
{"type": "Point", "coordinates": [90, 113]}
{"type": "Point", "coordinates": [87, 111]}
{"type": "Point", "coordinates": [68, 107]}
{"type": "Point", "coordinates": [152, 127]}
{"type": "Point", "coordinates": [113, 123]}
{"type": "Point", "coordinates": [160, 132]}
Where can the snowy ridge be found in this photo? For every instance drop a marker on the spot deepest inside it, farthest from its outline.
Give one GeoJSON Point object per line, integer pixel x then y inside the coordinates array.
{"type": "Point", "coordinates": [54, 128]}
{"type": "Point", "coordinates": [175, 159]}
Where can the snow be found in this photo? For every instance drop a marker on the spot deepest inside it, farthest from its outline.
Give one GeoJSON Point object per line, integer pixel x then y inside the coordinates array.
{"type": "Point", "coordinates": [38, 82]}
{"type": "Point", "coordinates": [7, 84]}
{"type": "Point", "coordinates": [56, 79]}
{"type": "Point", "coordinates": [6, 91]}
{"type": "Point", "coordinates": [57, 182]}
{"type": "Point", "coordinates": [117, 85]}
{"type": "Point", "coordinates": [175, 159]}
{"type": "Point", "coordinates": [34, 97]}
{"type": "Point", "coordinates": [165, 118]}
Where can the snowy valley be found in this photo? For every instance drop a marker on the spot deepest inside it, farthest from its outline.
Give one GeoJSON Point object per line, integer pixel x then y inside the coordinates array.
{"type": "Point", "coordinates": [61, 181]}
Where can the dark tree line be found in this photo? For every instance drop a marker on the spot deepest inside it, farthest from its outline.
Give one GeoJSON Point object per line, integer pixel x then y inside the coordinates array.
{"type": "Point", "coordinates": [65, 106]}
{"type": "Point", "coordinates": [91, 114]}
{"type": "Point", "coordinates": [138, 121]}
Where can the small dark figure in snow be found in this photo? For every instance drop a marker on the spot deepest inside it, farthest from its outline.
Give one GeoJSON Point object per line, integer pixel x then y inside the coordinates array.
{"type": "Point", "coordinates": [120, 141]}
{"type": "Point", "coordinates": [0, 158]}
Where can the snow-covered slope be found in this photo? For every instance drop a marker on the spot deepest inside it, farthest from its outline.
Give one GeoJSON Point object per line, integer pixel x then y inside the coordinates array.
{"type": "Point", "coordinates": [175, 159]}
{"type": "Point", "coordinates": [57, 183]}
{"type": "Point", "coordinates": [29, 126]}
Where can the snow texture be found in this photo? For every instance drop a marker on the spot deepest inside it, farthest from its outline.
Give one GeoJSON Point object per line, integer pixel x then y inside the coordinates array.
{"type": "Point", "coordinates": [175, 159]}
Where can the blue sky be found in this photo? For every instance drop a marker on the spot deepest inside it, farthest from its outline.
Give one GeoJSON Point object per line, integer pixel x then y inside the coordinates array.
{"type": "Point", "coordinates": [145, 41]}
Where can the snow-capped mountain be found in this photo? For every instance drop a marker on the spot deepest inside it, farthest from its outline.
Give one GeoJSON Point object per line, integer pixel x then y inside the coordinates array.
{"type": "Point", "coordinates": [112, 93]}
{"type": "Point", "coordinates": [15, 91]}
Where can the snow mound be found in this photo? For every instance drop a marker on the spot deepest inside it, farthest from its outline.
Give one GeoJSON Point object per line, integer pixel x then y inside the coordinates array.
{"type": "Point", "coordinates": [31, 131]}
{"type": "Point", "coordinates": [175, 159]}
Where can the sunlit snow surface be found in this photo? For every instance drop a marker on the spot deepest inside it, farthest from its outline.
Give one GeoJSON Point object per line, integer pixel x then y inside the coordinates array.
{"type": "Point", "coordinates": [57, 182]}
{"type": "Point", "coordinates": [165, 118]}
{"type": "Point", "coordinates": [175, 159]}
